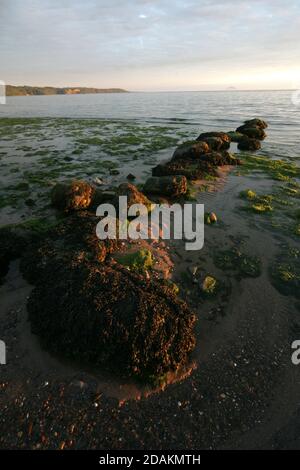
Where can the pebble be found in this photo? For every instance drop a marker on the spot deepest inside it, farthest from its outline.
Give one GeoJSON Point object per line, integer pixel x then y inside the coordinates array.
{"type": "Point", "coordinates": [98, 181]}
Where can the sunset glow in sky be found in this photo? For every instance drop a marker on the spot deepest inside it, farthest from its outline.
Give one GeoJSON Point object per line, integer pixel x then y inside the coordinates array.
{"type": "Point", "coordinates": [151, 45]}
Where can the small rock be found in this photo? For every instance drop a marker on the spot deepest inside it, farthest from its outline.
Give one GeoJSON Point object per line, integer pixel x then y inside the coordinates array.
{"type": "Point", "coordinates": [114, 171]}
{"type": "Point", "coordinates": [193, 270]}
{"type": "Point", "coordinates": [213, 218]}
{"type": "Point", "coordinates": [30, 202]}
{"type": "Point", "coordinates": [208, 285]}
{"type": "Point", "coordinates": [98, 181]}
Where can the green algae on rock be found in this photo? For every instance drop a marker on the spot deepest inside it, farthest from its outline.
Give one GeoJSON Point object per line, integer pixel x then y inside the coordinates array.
{"type": "Point", "coordinates": [235, 136]}
{"type": "Point", "coordinates": [248, 194]}
{"type": "Point", "coordinates": [209, 285]}
{"type": "Point", "coordinates": [285, 272]}
{"type": "Point", "coordinates": [138, 260]}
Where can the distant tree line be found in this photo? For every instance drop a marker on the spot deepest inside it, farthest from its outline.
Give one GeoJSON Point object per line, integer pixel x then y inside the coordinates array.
{"type": "Point", "coordinates": [47, 90]}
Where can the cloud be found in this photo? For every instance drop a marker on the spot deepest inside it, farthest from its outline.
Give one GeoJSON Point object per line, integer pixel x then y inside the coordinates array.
{"type": "Point", "coordinates": [54, 41]}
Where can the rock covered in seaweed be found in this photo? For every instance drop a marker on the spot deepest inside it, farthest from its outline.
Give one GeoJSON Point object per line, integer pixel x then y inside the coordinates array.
{"type": "Point", "coordinates": [112, 317]}
{"type": "Point", "coordinates": [252, 132]}
{"type": "Point", "coordinates": [191, 150]}
{"type": "Point", "coordinates": [196, 169]}
{"type": "Point", "coordinates": [71, 240]}
{"type": "Point", "coordinates": [256, 123]}
{"type": "Point", "coordinates": [134, 196]}
{"type": "Point", "coordinates": [249, 144]}
{"type": "Point", "coordinates": [72, 196]}
{"type": "Point", "coordinates": [220, 135]}
{"type": "Point", "coordinates": [215, 143]}
{"type": "Point", "coordinates": [166, 185]}
{"type": "Point", "coordinates": [191, 170]}
{"type": "Point", "coordinates": [216, 159]}
{"type": "Point", "coordinates": [101, 313]}
{"type": "Point", "coordinates": [235, 136]}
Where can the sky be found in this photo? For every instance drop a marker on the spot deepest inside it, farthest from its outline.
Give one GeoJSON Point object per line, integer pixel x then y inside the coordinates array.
{"type": "Point", "coordinates": [151, 45]}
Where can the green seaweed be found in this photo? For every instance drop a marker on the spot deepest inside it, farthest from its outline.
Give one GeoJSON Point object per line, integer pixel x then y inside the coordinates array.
{"type": "Point", "coordinates": [140, 260]}
{"type": "Point", "coordinates": [209, 285]}
{"type": "Point", "coordinates": [240, 263]}
{"type": "Point", "coordinates": [280, 170]}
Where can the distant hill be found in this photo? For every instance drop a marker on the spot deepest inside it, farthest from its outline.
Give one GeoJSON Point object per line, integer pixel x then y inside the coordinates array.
{"type": "Point", "coordinates": [48, 90]}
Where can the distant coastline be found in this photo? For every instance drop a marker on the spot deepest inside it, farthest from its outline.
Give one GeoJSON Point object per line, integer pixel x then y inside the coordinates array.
{"type": "Point", "coordinates": [25, 90]}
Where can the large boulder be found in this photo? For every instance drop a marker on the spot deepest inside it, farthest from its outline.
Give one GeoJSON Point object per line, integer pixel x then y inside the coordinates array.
{"type": "Point", "coordinates": [220, 135]}
{"type": "Point", "coordinates": [72, 196]}
{"type": "Point", "coordinates": [191, 151]}
{"type": "Point", "coordinates": [252, 132]}
{"type": "Point", "coordinates": [87, 308]}
{"type": "Point", "coordinates": [112, 318]}
{"type": "Point", "coordinates": [249, 144]}
{"type": "Point", "coordinates": [166, 185]}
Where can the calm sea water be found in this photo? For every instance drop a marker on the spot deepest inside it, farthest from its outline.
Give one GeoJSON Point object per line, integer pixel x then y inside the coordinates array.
{"type": "Point", "coordinates": [206, 110]}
